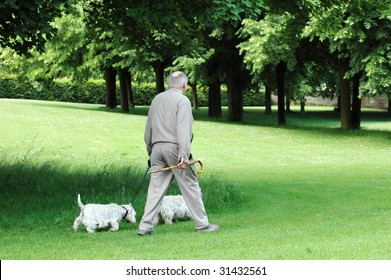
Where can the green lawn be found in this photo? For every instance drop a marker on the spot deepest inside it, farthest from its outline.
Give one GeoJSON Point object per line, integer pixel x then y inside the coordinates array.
{"type": "Point", "coordinates": [307, 190]}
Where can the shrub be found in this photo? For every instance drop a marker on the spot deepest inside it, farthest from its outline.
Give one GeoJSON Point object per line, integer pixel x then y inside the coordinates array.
{"type": "Point", "coordinates": [93, 91]}
{"type": "Point", "coordinates": [61, 90]}
{"type": "Point", "coordinates": [143, 93]}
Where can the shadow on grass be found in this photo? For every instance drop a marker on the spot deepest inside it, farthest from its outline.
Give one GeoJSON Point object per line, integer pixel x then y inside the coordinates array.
{"type": "Point", "coordinates": [36, 192]}
{"type": "Point", "coordinates": [323, 120]}
{"type": "Point", "coordinates": [139, 110]}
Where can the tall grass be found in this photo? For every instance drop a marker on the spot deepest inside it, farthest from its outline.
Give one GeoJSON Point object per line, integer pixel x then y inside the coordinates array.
{"type": "Point", "coordinates": [29, 186]}
{"type": "Point", "coordinates": [304, 191]}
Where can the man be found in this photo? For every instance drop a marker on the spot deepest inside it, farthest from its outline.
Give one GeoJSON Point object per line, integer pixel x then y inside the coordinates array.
{"type": "Point", "coordinates": [168, 135]}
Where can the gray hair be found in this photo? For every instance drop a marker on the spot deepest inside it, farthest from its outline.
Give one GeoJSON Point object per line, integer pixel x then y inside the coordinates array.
{"type": "Point", "coordinates": [177, 79]}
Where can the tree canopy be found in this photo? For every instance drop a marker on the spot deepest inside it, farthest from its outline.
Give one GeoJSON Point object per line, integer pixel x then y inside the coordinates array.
{"type": "Point", "coordinates": [24, 24]}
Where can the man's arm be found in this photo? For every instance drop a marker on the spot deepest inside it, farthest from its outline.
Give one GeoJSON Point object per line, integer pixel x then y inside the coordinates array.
{"type": "Point", "coordinates": [148, 135]}
{"type": "Point", "coordinates": [184, 129]}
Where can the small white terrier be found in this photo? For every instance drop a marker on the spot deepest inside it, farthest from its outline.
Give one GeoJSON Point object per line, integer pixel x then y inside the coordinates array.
{"type": "Point", "coordinates": [94, 216]}
{"type": "Point", "coordinates": [172, 208]}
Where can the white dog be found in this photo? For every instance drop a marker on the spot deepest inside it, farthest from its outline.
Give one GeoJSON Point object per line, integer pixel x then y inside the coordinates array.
{"type": "Point", "coordinates": [94, 216]}
{"type": "Point", "coordinates": [172, 208]}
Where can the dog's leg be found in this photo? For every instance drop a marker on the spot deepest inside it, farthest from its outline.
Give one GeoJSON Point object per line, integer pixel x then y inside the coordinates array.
{"type": "Point", "coordinates": [76, 223]}
{"type": "Point", "coordinates": [156, 219]}
{"type": "Point", "coordinates": [90, 230]}
{"type": "Point", "coordinates": [168, 217]}
{"type": "Point", "coordinates": [189, 215]}
{"type": "Point", "coordinates": [114, 226]}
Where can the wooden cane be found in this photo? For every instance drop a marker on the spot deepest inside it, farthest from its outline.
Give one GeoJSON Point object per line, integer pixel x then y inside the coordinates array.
{"type": "Point", "coordinates": [175, 167]}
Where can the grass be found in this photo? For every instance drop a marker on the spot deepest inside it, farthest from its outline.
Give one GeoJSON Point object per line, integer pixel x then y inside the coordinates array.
{"type": "Point", "coordinates": [307, 190]}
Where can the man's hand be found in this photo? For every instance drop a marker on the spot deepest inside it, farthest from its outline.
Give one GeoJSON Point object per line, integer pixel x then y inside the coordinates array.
{"type": "Point", "coordinates": [181, 164]}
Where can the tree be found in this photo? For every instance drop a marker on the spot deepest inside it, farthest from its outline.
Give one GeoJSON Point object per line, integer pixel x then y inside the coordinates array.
{"type": "Point", "coordinates": [167, 30]}
{"type": "Point", "coordinates": [355, 34]}
{"type": "Point", "coordinates": [195, 69]}
{"type": "Point", "coordinates": [351, 35]}
{"type": "Point", "coordinates": [271, 42]}
{"type": "Point", "coordinates": [157, 32]}
{"type": "Point", "coordinates": [65, 52]}
{"type": "Point", "coordinates": [220, 24]}
{"type": "Point", "coordinates": [214, 72]}
{"type": "Point", "coordinates": [126, 90]}
{"type": "Point", "coordinates": [24, 24]}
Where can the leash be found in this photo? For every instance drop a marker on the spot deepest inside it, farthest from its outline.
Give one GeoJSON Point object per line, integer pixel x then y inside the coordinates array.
{"type": "Point", "coordinates": [140, 184]}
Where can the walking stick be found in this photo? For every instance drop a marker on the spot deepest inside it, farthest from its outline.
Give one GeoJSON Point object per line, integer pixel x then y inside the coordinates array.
{"type": "Point", "coordinates": [175, 167]}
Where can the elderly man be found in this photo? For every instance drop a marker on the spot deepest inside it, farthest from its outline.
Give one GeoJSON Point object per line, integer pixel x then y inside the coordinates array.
{"type": "Point", "coordinates": [168, 136]}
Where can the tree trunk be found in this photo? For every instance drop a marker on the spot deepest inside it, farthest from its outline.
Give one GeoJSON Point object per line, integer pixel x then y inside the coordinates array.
{"type": "Point", "coordinates": [111, 99]}
{"type": "Point", "coordinates": [288, 104]}
{"type": "Point", "coordinates": [338, 108]}
{"type": "Point", "coordinates": [268, 99]}
{"type": "Point", "coordinates": [214, 98]}
{"type": "Point", "coordinates": [234, 79]}
{"type": "Point", "coordinates": [158, 67]}
{"type": "Point", "coordinates": [389, 106]}
{"type": "Point", "coordinates": [346, 114]}
{"type": "Point", "coordinates": [280, 75]}
{"type": "Point", "coordinates": [194, 96]}
{"type": "Point", "coordinates": [214, 85]}
{"type": "Point", "coordinates": [234, 91]}
{"type": "Point", "coordinates": [123, 89]}
{"type": "Point", "coordinates": [356, 103]}
{"type": "Point", "coordinates": [129, 88]}
{"type": "Point", "coordinates": [302, 107]}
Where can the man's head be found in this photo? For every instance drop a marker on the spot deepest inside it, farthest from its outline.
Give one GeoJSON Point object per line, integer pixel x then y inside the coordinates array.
{"type": "Point", "coordinates": [178, 80]}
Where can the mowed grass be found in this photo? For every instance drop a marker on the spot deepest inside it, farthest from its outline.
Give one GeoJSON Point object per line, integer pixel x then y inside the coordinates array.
{"type": "Point", "coordinates": [307, 190]}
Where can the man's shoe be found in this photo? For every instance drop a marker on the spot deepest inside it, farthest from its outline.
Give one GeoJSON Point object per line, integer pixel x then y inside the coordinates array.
{"type": "Point", "coordinates": [209, 228]}
{"type": "Point", "coordinates": [144, 233]}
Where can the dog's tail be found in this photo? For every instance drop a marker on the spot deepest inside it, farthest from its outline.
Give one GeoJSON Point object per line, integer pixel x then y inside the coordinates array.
{"type": "Point", "coordinates": [81, 205]}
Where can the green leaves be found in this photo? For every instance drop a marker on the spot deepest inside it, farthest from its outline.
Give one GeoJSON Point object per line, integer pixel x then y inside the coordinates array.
{"type": "Point", "coordinates": [234, 11]}
{"type": "Point", "coordinates": [270, 40]}
{"type": "Point", "coordinates": [24, 24]}
{"type": "Point", "coordinates": [356, 30]}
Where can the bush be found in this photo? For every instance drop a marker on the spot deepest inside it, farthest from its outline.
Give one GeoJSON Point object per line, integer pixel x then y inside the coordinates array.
{"type": "Point", "coordinates": [252, 97]}
{"type": "Point", "coordinates": [61, 90]}
{"type": "Point", "coordinates": [143, 93]}
{"type": "Point", "coordinates": [93, 91]}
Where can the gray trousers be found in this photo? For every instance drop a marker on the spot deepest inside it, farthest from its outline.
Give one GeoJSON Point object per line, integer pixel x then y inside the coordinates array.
{"type": "Point", "coordinates": [164, 155]}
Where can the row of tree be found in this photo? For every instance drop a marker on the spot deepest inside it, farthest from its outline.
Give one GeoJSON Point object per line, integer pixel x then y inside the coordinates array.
{"type": "Point", "coordinates": [333, 47]}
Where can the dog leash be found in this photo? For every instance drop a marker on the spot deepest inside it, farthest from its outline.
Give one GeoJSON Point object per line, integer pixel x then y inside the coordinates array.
{"type": "Point", "coordinates": [140, 184]}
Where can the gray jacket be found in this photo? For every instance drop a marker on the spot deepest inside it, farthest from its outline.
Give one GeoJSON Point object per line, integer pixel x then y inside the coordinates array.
{"type": "Point", "coordinates": [170, 120]}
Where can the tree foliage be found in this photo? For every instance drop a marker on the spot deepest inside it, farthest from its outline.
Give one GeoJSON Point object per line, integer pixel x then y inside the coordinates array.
{"type": "Point", "coordinates": [269, 41]}
{"type": "Point", "coordinates": [358, 30]}
{"type": "Point", "coordinates": [24, 24]}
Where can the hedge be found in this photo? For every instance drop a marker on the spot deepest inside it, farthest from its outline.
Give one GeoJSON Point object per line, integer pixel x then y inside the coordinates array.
{"type": "Point", "coordinates": [93, 91]}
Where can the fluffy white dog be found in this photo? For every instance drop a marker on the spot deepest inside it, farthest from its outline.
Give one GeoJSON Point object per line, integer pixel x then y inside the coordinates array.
{"type": "Point", "coordinates": [94, 216]}
{"type": "Point", "coordinates": [172, 208]}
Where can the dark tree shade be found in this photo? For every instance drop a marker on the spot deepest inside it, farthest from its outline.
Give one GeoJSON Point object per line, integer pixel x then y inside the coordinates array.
{"type": "Point", "coordinates": [24, 24]}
